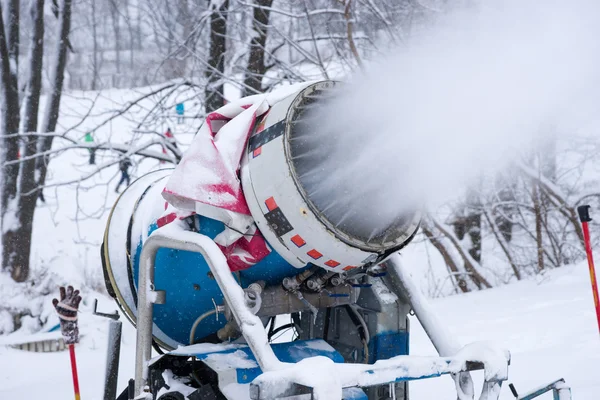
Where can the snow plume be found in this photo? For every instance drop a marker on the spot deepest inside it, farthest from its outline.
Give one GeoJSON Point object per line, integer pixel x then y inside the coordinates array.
{"type": "Point", "coordinates": [466, 96]}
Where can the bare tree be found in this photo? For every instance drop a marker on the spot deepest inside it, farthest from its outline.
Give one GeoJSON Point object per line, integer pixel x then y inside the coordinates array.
{"type": "Point", "coordinates": [445, 249]}
{"type": "Point", "coordinates": [27, 195]}
{"type": "Point", "coordinates": [19, 188]}
{"type": "Point", "coordinates": [214, 94]}
{"type": "Point", "coordinates": [9, 44]}
{"type": "Point", "coordinates": [95, 65]}
{"type": "Point", "coordinates": [114, 15]}
{"type": "Point", "coordinates": [256, 62]}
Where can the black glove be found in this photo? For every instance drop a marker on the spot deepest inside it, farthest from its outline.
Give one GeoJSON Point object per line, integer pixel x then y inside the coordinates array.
{"type": "Point", "coordinates": [67, 309]}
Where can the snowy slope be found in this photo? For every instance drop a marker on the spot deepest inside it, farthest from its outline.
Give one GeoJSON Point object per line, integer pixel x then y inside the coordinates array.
{"type": "Point", "coordinates": [549, 327]}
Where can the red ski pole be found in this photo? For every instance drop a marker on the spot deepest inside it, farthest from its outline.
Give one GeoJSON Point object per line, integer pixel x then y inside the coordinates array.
{"type": "Point", "coordinates": [67, 309]}
{"type": "Point", "coordinates": [74, 371]}
{"type": "Point", "coordinates": [584, 217]}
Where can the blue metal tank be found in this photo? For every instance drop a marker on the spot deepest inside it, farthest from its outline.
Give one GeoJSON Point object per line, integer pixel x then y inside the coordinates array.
{"type": "Point", "coordinates": [185, 277]}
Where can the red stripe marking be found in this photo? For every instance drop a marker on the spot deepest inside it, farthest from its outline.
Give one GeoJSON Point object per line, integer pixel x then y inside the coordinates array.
{"type": "Point", "coordinates": [166, 219]}
{"type": "Point", "coordinates": [298, 241]}
{"type": "Point", "coordinates": [332, 263]}
{"type": "Point", "coordinates": [314, 254]}
{"type": "Point", "coordinates": [349, 267]}
{"type": "Point", "coordinates": [271, 204]}
{"type": "Point", "coordinates": [257, 151]}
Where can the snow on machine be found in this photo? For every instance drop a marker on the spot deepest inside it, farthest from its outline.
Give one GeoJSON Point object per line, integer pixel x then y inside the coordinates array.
{"type": "Point", "coordinates": [241, 246]}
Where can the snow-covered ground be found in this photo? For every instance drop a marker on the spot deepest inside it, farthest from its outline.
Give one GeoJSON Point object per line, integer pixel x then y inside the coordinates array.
{"type": "Point", "coordinates": [549, 327]}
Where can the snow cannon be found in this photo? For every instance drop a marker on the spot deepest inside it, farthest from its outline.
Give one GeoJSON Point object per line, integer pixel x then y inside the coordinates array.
{"type": "Point", "coordinates": [279, 182]}
{"type": "Point", "coordinates": [330, 281]}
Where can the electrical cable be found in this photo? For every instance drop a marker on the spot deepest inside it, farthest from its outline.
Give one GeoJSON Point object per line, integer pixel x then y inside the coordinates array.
{"type": "Point", "coordinates": [280, 328]}
{"type": "Point", "coordinates": [361, 325]}
{"type": "Point", "coordinates": [366, 350]}
{"type": "Point", "coordinates": [271, 326]}
{"type": "Point", "coordinates": [157, 348]}
{"type": "Point", "coordinates": [362, 322]}
{"type": "Point", "coordinates": [197, 322]}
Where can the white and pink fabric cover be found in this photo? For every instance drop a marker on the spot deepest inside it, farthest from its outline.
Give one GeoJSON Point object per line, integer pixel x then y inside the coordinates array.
{"type": "Point", "coordinates": [207, 182]}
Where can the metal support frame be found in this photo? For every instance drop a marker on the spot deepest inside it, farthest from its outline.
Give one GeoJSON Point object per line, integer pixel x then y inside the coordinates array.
{"type": "Point", "coordinates": [444, 342]}
{"type": "Point", "coordinates": [274, 384]}
{"type": "Point", "coordinates": [175, 237]}
{"type": "Point", "coordinates": [112, 360]}
{"type": "Point", "coordinates": [454, 360]}
{"type": "Point", "coordinates": [112, 353]}
{"type": "Point", "coordinates": [559, 388]}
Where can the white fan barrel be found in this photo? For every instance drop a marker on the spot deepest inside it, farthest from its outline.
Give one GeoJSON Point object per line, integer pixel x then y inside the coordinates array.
{"type": "Point", "coordinates": [278, 196]}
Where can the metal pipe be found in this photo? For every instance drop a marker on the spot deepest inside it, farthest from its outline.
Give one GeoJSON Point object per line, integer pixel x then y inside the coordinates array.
{"type": "Point", "coordinates": [443, 341]}
{"type": "Point", "coordinates": [383, 372]}
{"type": "Point", "coordinates": [174, 237]}
{"type": "Point", "coordinates": [560, 391]}
{"type": "Point", "coordinates": [112, 360]}
{"type": "Point", "coordinates": [143, 350]}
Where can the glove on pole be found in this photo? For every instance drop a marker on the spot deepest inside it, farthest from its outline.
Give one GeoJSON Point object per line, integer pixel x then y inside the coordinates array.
{"type": "Point", "coordinates": [67, 309]}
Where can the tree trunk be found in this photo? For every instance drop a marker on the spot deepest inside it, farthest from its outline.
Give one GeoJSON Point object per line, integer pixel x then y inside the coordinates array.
{"type": "Point", "coordinates": [53, 103]}
{"type": "Point", "coordinates": [473, 222]}
{"type": "Point", "coordinates": [504, 244]}
{"type": "Point", "coordinates": [213, 94]}
{"type": "Point", "coordinates": [547, 154]}
{"type": "Point", "coordinates": [558, 200]}
{"type": "Point", "coordinates": [17, 242]}
{"type": "Point", "coordinates": [9, 100]}
{"type": "Point", "coordinates": [57, 79]}
{"type": "Point", "coordinates": [185, 20]}
{"type": "Point", "coordinates": [95, 48]}
{"type": "Point", "coordinates": [349, 32]}
{"type": "Point", "coordinates": [505, 190]}
{"type": "Point", "coordinates": [116, 28]}
{"type": "Point", "coordinates": [256, 63]}
{"type": "Point", "coordinates": [469, 224]}
{"type": "Point", "coordinates": [537, 210]}
{"type": "Point", "coordinates": [138, 31]}
{"type": "Point", "coordinates": [9, 44]}
{"type": "Point", "coordinates": [131, 38]}
{"type": "Point", "coordinates": [469, 261]}
{"type": "Point", "coordinates": [12, 31]}
{"type": "Point", "coordinates": [448, 259]}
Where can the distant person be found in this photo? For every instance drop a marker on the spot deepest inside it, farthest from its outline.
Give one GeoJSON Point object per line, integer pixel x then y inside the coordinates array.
{"type": "Point", "coordinates": [180, 109]}
{"type": "Point", "coordinates": [90, 139]}
{"type": "Point", "coordinates": [124, 166]}
{"type": "Point", "coordinates": [170, 138]}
